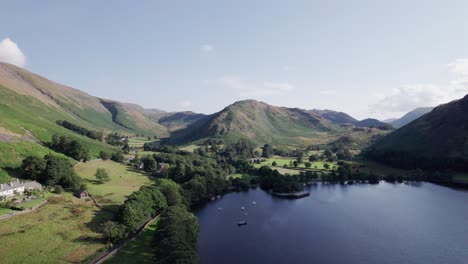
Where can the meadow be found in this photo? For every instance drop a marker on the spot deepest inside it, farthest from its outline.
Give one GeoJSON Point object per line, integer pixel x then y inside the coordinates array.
{"type": "Point", "coordinates": [124, 180]}
{"type": "Point", "coordinates": [281, 161]}
{"type": "Point", "coordinates": [138, 142]}
{"type": "Point", "coordinates": [65, 229]}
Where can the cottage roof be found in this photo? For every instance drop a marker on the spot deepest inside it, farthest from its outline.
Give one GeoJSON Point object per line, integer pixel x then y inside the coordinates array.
{"type": "Point", "coordinates": [17, 184]}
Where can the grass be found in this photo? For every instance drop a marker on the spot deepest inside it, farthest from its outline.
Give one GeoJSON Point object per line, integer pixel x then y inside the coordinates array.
{"type": "Point", "coordinates": [138, 250]}
{"type": "Point", "coordinates": [281, 161]}
{"type": "Point", "coordinates": [189, 148]}
{"type": "Point", "coordinates": [139, 142]}
{"type": "Point", "coordinates": [4, 177]}
{"type": "Point", "coordinates": [460, 177]}
{"type": "Point", "coordinates": [32, 203]}
{"type": "Point", "coordinates": [124, 180]}
{"type": "Point", "coordinates": [62, 231]}
{"type": "Point", "coordinates": [4, 211]}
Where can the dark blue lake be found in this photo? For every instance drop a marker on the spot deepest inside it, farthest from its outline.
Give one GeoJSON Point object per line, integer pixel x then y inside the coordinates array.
{"type": "Point", "coordinates": [384, 223]}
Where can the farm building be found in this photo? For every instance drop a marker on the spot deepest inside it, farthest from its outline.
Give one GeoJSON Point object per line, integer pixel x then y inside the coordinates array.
{"type": "Point", "coordinates": [81, 194]}
{"type": "Point", "coordinates": [17, 188]}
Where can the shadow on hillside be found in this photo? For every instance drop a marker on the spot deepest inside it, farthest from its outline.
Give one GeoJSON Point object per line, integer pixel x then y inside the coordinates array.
{"type": "Point", "coordinates": [13, 172]}
{"type": "Point", "coordinates": [106, 213]}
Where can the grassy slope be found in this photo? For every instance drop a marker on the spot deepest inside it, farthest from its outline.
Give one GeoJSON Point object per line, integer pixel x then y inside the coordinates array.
{"type": "Point", "coordinates": [82, 108]}
{"type": "Point", "coordinates": [30, 105]}
{"type": "Point", "coordinates": [29, 120]}
{"type": "Point", "coordinates": [139, 250]}
{"type": "Point", "coordinates": [441, 133]}
{"type": "Point", "coordinates": [53, 233]}
{"type": "Point", "coordinates": [124, 180]}
{"type": "Point", "coordinates": [261, 123]}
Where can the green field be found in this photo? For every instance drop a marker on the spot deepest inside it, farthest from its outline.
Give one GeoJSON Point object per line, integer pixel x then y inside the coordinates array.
{"type": "Point", "coordinates": [139, 142]}
{"type": "Point", "coordinates": [62, 231]}
{"type": "Point", "coordinates": [124, 180]}
{"type": "Point", "coordinates": [281, 161]}
{"type": "Point", "coordinates": [461, 177]}
{"type": "Point", "coordinates": [189, 148]}
{"type": "Point", "coordinates": [138, 250]}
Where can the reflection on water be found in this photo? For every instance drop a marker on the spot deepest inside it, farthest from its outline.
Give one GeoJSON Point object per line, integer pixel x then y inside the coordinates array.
{"type": "Point", "coordinates": [359, 223]}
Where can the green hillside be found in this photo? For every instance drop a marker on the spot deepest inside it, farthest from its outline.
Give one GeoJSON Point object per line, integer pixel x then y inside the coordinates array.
{"type": "Point", "coordinates": [261, 123]}
{"type": "Point", "coordinates": [30, 105]}
{"type": "Point", "coordinates": [437, 139]}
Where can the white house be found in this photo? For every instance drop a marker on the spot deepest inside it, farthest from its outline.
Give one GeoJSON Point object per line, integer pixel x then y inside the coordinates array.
{"type": "Point", "coordinates": [17, 188]}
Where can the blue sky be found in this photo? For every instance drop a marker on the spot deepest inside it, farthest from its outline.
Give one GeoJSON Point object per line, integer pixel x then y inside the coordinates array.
{"type": "Point", "coordinates": [367, 58]}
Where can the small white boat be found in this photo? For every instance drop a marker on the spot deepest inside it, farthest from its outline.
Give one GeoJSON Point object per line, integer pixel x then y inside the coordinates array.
{"type": "Point", "coordinates": [219, 196]}
{"type": "Point", "coordinates": [220, 209]}
{"type": "Point", "coordinates": [246, 213]}
{"type": "Point", "coordinates": [242, 208]}
{"type": "Point", "coordinates": [254, 203]}
{"type": "Point", "coordinates": [241, 223]}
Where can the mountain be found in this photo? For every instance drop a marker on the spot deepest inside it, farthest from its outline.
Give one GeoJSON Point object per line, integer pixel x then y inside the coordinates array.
{"type": "Point", "coordinates": [179, 120]}
{"type": "Point", "coordinates": [410, 116]}
{"type": "Point", "coordinates": [30, 105]}
{"type": "Point", "coordinates": [389, 120]}
{"type": "Point", "coordinates": [437, 139]}
{"type": "Point", "coordinates": [261, 123]}
{"type": "Point", "coordinates": [370, 122]}
{"type": "Point", "coordinates": [336, 117]}
{"type": "Point", "coordinates": [343, 118]}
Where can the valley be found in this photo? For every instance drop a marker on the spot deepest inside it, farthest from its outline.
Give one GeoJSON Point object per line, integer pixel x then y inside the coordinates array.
{"type": "Point", "coordinates": [106, 167]}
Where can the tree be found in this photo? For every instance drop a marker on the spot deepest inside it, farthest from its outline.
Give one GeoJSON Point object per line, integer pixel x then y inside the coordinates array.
{"type": "Point", "coordinates": [126, 148]}
{"type": "Point", "coordinates": [150, 164]}
{"type": "Point", "coordinates": [59, 171]}
{"type": "Point", "coordinates": [328, 154]}
{"type": "Point", "coordinates": [33, 167]}
{"type": "Point", "coordinates": [176, 237]}
{"type": "Point", "coordinates": [104, 155]}
{"type": "Point", "coordinates": [117, 157]}
{"type": "Point", "coordinates": [113, 232]}
{"type": "Point", "coordinates": [267, 151]}
{"type": "Point", "coordinates": [58, 189]}
{"type": "Point", "coordinates": [295, 163]}
{"type": "Point", "coordinates": [326, 166]}
{"type": "Point", "coordinates": [274, 164]}
{"type": "Point", "coordinates": [300, 158]}
{"type": "Point", "coordinates": [308, 164]}
{"type": "Point", "coordinates": [101, 176]}
{"type": "Point", "coordinates": [171, 190]}
{"type": "Point", "coordinates": [196, 188]}
{"type": "Point", "coordinates": [313, 158]}
{"type": "Point", "coordinates": [70, 147]}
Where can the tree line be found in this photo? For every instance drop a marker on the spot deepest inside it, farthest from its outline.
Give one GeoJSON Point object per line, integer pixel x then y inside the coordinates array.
{"type": "Point", "coordinates": [70, 147]}
{"type": "Point", "coordinates": [176, 237]}
{"type": "Point", "coordinates": [52, 171]}
{"type": "Point", "coordinates": [97, 135]}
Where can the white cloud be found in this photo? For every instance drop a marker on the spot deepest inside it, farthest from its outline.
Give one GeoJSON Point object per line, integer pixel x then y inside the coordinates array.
{"type": "Point", "coordinates": [207, 48]}
{"type": "Point", "coordinates": [328, 92]}
{"type": "Point", "coordinates": [184, 104]}
{"type": "Point", "coordinates": [459, 66]}
{"type": "Point", "coordinates": [409, 97]}
{"type": "Point", "coordinates": [252, 89]}
{"type": "Point", "coordinates": [11, 53]}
